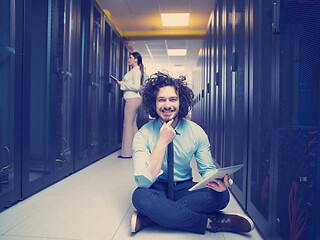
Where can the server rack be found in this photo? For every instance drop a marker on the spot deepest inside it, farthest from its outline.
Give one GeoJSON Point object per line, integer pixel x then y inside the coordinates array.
{"type": "Point", "coordinates": [63, 75]}
{"type": "Point", "coordinates": [56, 96]}
{"type": "Point", "coordinates": [107, 86]}
{"type": "Point", "coordinates": [266, 72]}
{"type": "Point", "coordinates": [10, 101]}
{"type": "Point", "coordinates": [37, 134]}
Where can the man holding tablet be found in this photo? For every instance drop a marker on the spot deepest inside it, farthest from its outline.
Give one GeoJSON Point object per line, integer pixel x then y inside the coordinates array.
{"type": "Point", "coordinates": [158, 201]}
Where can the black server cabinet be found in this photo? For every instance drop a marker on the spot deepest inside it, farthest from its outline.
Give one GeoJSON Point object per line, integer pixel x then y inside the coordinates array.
{"type": "Point", "coordinates": [227, 83]}
{"type": "Point", "coordinates": [120, 114]}
{"type": "Point", "coordinates": [261, 116]}
{"type": "Point", "coordinates": [219, 89]}
{"type": "Point", "coordinates": [108, 85]}
{"type": "Point", "coordinates": [88, 94]}
{"type": "Point", "coordinates": [201, 87]}
{"type": "Point", "coordinates": [207, 87]}
{"type": "Point", "coordinates": [213, 95]}
{"type": "Point", "coordinates": [210, 85]}
{"type": "Point", "coordinates": [10, 101]}
{"type": "Point", "coordinates": [265, 109]}
{"type": "Point", "coordinates": [82, 147]}
{"type": "Point", "coordinates": [95, 85]}
{"type": "Point", "coordinates": [205, 79]}
{"type": "Point", "coordinates": [114, 92]}
{"type": "Point", "coordinates": [298, 128]}
{"type": "Point", "coordinates": [283, 191]}
{"type": "Point", "coordinates": [48, 93]}
{"type": "Point", "coordinates": [197, 93]}
{"type": "Point", "coordinates": [63, 76]}
{"type": "Point", "coordinates": [56, 95]}
{"type": "Point", "coordinates": [236, 93]}
{"type": "Point", "coordinates": [117, 65]}
{"type": "Point", "coordinates": [37, 104]}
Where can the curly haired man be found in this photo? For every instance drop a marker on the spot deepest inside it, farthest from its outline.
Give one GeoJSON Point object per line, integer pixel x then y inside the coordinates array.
{"type": "Point", "coordinates": [169, 100]}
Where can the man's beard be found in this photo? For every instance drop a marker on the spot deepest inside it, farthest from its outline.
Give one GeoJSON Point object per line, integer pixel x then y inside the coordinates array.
{"type": "Point", "coordinates": [168, 119]}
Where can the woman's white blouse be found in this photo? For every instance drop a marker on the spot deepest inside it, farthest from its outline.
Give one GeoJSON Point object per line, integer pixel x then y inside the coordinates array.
{"type": "Point", "coordinates": [130, 83]}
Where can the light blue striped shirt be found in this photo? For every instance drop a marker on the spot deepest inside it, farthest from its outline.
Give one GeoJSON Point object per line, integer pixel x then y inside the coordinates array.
{"type": "Point", "coordinates": [190, 140]}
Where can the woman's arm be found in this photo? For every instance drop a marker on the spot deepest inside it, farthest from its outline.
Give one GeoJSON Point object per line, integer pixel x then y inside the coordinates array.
{"type": "Point", "coordinates": [131, 80]}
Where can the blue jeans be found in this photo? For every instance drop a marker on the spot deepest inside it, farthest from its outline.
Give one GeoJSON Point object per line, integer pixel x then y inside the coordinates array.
{"type": "Point", "coordinates": [188, 211]}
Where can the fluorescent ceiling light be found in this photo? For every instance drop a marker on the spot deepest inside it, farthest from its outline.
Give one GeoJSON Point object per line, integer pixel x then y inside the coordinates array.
{"type": "Point", "coordinates": [175, 19]}
{"type": "Point", "coordinates": [177, 52]}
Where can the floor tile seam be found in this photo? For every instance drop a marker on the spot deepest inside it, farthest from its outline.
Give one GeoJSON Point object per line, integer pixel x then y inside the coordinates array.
{"type": "Point", "coordinates": [124, 217]}
{"type": "Point", "coordinates": [35, 237]}
{"type": "Point", "coordinates": [20, 222]}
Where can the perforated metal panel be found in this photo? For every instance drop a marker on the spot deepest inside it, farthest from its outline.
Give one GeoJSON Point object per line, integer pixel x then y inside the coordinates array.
{"type": "Point", "coordinates": [299, 96]}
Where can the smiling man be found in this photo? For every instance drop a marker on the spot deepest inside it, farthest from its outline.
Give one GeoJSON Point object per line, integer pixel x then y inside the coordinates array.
{"type": "Point", "coordinates": [169, 100]}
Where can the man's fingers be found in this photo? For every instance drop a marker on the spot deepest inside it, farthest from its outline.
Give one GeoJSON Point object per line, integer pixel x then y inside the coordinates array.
{"type": "Point", "coordinates": [170, 122]}
{"type": "Point", "coordinates": [226, 180]}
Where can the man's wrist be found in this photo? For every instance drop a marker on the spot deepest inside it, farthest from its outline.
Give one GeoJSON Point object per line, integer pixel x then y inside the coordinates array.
{"type": "Point", "coordinates": [162, 143]}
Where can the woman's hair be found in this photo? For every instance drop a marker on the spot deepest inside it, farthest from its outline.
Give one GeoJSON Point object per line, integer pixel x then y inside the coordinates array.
{"type": "Point", "coordinates": [137, 56]}
{"type": "Point", "coordinates": [150, 89]}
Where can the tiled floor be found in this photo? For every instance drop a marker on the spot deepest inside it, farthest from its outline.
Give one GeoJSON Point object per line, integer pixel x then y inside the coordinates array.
{"type": "Point", "coordinates": [92, 204]}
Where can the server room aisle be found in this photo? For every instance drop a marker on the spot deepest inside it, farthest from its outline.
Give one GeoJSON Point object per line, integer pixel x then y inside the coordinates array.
{"type": "Point", "coordinates": [92, 204]}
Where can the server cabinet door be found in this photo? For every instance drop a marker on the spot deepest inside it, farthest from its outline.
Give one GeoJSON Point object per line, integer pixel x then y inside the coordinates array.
{"type": "Point", "coordinates": [228, 130]}
{"type": "Point", "coordinates": [10, 164]}
{"type": "Point", "coordinates": [120, 105]}
{"type": "Point", "coordinates": [202, 87]}
{"type": "Point", "coordinates": [219, 84]}
{"type": "Point", "coordinates": [95, 86]}
{"type": "Point", "coordinates": [63, 72]}
{"type": "Point", "coordinates": [237, 68]}
{"type": "Point", "coordinates": [208, 82]}
{"type": "Point", "coordinates": [37, 157]}
{"type": "Point", "coordinates": [297, 151]}
{"type": "Point", "coordinates": [261, 115]}
{"type": "Point", "coordinates": [108, 84]}
{"type": "Point", "coordinates": [113, 92]}
{"type": "Point", "coordinates": [214, 88]}
{"type": "Point", "coordinates": [88, 109]}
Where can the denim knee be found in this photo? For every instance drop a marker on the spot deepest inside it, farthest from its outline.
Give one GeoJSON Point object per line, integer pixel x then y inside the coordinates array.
{"type": "Point", "coordinates": [143, 199]}
{"type": "Point", "coordinates": [136, 196]}
{"type": "Point", "coordinates": [225, 199]}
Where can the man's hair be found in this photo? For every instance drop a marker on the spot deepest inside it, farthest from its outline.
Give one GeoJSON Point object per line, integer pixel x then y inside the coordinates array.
{"type": "Point", "coordinates": [150, 89]}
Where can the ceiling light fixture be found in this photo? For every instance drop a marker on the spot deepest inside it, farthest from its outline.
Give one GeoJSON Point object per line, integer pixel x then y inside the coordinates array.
{"type": "Point", "coordinates": [175, 19]}
{"type": "Point", "coordinates": [177, 52]}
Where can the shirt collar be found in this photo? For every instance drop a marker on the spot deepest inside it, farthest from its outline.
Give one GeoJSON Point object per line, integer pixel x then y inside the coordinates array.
{"type": "Point", "coordinates": [179, 126]}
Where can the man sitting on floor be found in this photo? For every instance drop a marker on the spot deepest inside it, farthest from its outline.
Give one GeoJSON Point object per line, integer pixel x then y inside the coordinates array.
{"type": "Point", "coordinates": [171, 204]}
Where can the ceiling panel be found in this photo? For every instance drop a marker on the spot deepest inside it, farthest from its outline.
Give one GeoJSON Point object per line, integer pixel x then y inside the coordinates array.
{"type": "Point", "coordinates": [157, 45]}
{"type": "Point", "coordinates": [143, 17]}
{"type": "Point", "coordinates": [119, 7]}
{"type": "Point", "coordinates": [147, 22]}
{"type": "Point", "coordinates": [143, 7]}
{"type": "Point", "coordinates": [177, 44]}
{"type": "Point", "coordinates": [177, 6]}
{"type": "Point", "coordinates": [177, 60]}
{"type": "Point", "coordinates": [158, 52]}
{"type": "Point", "coordinates": [204, 6]}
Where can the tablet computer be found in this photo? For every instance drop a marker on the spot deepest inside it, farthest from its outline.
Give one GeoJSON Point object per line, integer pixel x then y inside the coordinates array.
{"type": "Point", "coordinates": [217, 173]}
{"type": "Point", "coordinates": [113, 78]}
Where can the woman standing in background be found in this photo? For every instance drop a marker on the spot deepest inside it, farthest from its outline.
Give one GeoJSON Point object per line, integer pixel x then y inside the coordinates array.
{"type": "Point", "coordinates": [130, 86]}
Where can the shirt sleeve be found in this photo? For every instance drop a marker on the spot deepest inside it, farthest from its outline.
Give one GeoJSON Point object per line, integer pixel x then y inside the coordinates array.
{"type": "Point", "coordinates": [204, 158]}
{"type": "Point", "coordinates": [141, 161]}
{"type": "Point", "coordinates": [131, 81]}
{"type": "Point", "coordinates": [203, 155]}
